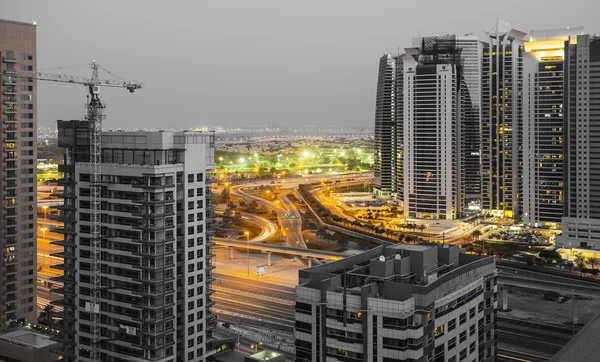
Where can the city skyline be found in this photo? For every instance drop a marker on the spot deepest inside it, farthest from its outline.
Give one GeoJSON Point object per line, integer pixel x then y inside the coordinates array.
{"type": "Point", "coordinates": [273, 54]}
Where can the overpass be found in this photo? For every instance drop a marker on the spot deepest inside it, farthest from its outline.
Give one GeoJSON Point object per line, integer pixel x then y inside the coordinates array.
{"type": "Point", "coordinates": [280, 249]}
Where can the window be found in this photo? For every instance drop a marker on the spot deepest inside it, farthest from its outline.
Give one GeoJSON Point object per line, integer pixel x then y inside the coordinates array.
{"type": "Point", "coordinates": [200, 241]}
{"type": "Point", "coordinates": [199, 315]}
{"type": "Point", "coordinates": [199, 290]}
{"type": "Point", "coordinates": [199, 216]}
{"type": "Point", "coordinates": [438, 331]}
{"type": "Point", "coordinates": [190, 268]}
{"type": "Point", "coordinates": [199, 339]}
{"type": "Point", "coordinates": [190, 330]}
{"type": "Point", "coordinates": [191, 305]}
{"type": "Point", "coordinates": [199, 265]}
{"type": "Point", "coordinates": [463, 318]}
{"type": "Point", "coordinates": [190, 293]}
{"type": "Point", "coordinates": [200, 204]}
{"type": "Point", "coordinates": [472, 312]}
{"type": "Point", "coordinates": [190, 192]}
{"type": "Point", "coordinates": [190, 178]}
{"type": "Point", "coordinates": [452, 359]}
{"type": "Point", "coordinates": [472, 330]}
{"type": "Point", "coordinates": [190, 255]}
{"type": "Point", "coordinates": [451, 343]}
{"type": "Point", "coordinates": [199, 191]}
{"type": "Point", "coordinates": [462, 337]}
{"type": "Point", "coordinates": [472, 347]}
{"type": "Point", "coordinates": [190, 243]}
{"type": "Point", "coordinates": [463, 354]}
{"type": "Point", "coordinates": [190, 318]}
{"type": "Point", "coordinates": [191, 280]}
{"type": "Point", "coordinates": [190, 229]}
{"type": "Point", "coordinates": [451, 324]}
{"type": "Point", "coordinates": [190, 356]}
{"type": "Point", "coordinates": [199, 177]}
{"type": "Point", "coordinates": [199, 253]}
{"type": "Point", "coordinates": [190, 205]}
{"type": "Point", "coordinates": [190, 217]}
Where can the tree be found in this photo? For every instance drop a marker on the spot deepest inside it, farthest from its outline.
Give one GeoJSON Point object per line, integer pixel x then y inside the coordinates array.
{"type": "Point", "coordinates": [48, 309]}
{"type": "Point", "coordinates": [422, 227]}
{"type": "Point", "coordinates": [476, 234]}
{"type": "Point", "coordinates": [465, 239]}
{"type": "Point", "coordinates": [580, 263]}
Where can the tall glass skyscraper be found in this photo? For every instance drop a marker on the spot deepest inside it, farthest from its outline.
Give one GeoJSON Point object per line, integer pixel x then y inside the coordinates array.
{"type": "Point", "coordinates": [385, 128]}
{"type": "Point", "coordinates": [501, 123]}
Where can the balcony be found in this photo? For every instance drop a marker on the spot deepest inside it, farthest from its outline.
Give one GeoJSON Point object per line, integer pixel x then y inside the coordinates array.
{"type": "Point", "coordinates": [10, 139]}
{"type": "Point", "coordinates": [10, 166]}
{"type": "Point", "coordinates": [9, 59]}
{"type": "Point", "coordinates": [10, 128]}
{"type": "Point", "coordinates": [10, 110]}
{"type": "Point", "coordinates": [10, 91]}
{"type": "Point", "coordinates": [9, 81]}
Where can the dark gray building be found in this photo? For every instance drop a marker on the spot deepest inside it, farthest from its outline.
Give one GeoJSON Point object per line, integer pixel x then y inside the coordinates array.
{"type": "Point", "coordinates": [398, 303]}
{"type": "Point", "coordinates": [386, 139]}
{"type": "Point", "coordinates": [156, 260]}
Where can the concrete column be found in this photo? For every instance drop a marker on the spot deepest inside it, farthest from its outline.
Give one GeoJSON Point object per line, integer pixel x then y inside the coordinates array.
{"type": "Point", "coordinates": [269, 257]}
{"type": "Point", "coordinates": [309, 262]}
{"type": "Point", "coordinates": [230, 253]}
{"type": "Point", "coordinates": [505, 298]}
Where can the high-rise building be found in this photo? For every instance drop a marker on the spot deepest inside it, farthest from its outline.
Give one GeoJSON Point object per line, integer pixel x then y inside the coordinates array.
{"type": "Point", "coordinates": [581, 224]}
{"type": "Point", "coordinates": [156, 268]}
{"type": "Point", "coordinates": [18, 183]}
{"type": "Point", "coordinates": [543, 126]}
{"type": "Point", "coordinates": [384, 165]}
{"type": "Point", "coordinates": [438, 120]}
{"type": "Point", "coordinates": [470, 60]}
{"type": "Point", "coordinates": [398, 303]}
{"type": "Point", "coordinates": [501, 121]}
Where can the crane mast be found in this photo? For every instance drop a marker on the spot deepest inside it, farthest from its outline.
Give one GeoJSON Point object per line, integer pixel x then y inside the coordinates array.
{"type": "Point", "coordinates": [94, 117]}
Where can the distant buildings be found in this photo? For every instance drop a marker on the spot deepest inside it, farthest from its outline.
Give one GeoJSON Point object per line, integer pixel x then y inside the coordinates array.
{"type": "Point", "coordinates": [18, 229]}
{"type": "Point", "coordinates": [497, 124]}
{"type": "Point", "coordinates": [156, 268]}
{"type": "Point", "coordinates": [400, 303]}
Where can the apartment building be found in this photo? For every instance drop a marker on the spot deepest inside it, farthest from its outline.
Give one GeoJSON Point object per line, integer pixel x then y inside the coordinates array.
{"type": "Point", "coordinates": [581, 222]}
{"type": "Point", "coordinates": [398, 303]}
{"type": "Point", "coordinates": [156, 269]}
{"type": "Point", "coordinates": [18, 229]}
{"type": "Point", "coordinates": [386, 138]}
{"type": "Point", "coordinates": [438, 119]}
{"type": "Point", "coordinates": [544, 125]}
{"type": "Point", "coordinates": [501, 121]}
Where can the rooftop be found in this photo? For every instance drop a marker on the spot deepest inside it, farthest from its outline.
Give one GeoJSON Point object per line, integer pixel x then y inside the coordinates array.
{"type": "Point", "coordinates": [404, 270]}
{"type": "Point", "coordinates": [27, 337]}
{"type": "Point", "coordinates": [584, 346]}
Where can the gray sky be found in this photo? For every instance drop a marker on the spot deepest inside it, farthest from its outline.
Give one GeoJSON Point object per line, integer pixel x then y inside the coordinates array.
{"type": "Point", "coordinates": [249, 62]}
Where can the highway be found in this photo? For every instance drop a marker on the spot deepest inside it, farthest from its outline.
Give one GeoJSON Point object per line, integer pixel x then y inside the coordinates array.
{"type": "Point", "coordinates": [255, 303]}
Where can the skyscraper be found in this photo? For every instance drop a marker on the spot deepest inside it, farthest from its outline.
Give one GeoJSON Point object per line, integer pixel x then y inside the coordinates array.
{"type": "Point", "coordinates": [156, 268]}
{"type": "Point", "coordinates": [398, 303]}
{"type": "Point", "coordinates": [581, 224]}
{"type": "Point", "coordinates": [385, 128]}
{"type": "Point", "coordinates": [501, 121]}
{"type": "Point", "coordinates": [543, 126]}
{"type": "Point", "coordinates": [18, 184]}
{"type": "Point", "coordinates": [438, 120]}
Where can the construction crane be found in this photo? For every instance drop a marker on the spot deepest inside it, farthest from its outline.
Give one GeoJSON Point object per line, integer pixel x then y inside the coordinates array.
{"type": "Point", "coordinates": [94, 118]}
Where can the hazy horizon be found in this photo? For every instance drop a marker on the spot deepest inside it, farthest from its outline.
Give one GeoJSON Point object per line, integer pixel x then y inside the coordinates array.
{"type": "Point", "coordinates": [244, 63]}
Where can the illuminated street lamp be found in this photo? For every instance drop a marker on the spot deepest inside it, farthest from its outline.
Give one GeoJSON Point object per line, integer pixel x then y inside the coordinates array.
{"type": "Point", "coordinates": [248, 250]}
{"type": "Point", "coordinates": [43, 233]}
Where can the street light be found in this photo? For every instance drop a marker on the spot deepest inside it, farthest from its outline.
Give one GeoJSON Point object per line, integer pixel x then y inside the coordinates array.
{"type": "Point", "coordinates": [43, 233]}
{"type": "Point", "coordinates": [45, 208]}
{"type": "Point", "coordinates": [248, 250]}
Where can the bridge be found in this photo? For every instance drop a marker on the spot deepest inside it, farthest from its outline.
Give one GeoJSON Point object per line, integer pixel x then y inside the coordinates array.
{"type": "Point", "coordinates": [280, 249]}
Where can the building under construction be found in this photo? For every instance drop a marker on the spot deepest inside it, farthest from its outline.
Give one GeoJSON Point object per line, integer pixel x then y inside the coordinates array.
{"type": "Point", "coordinates": [155, 264]}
